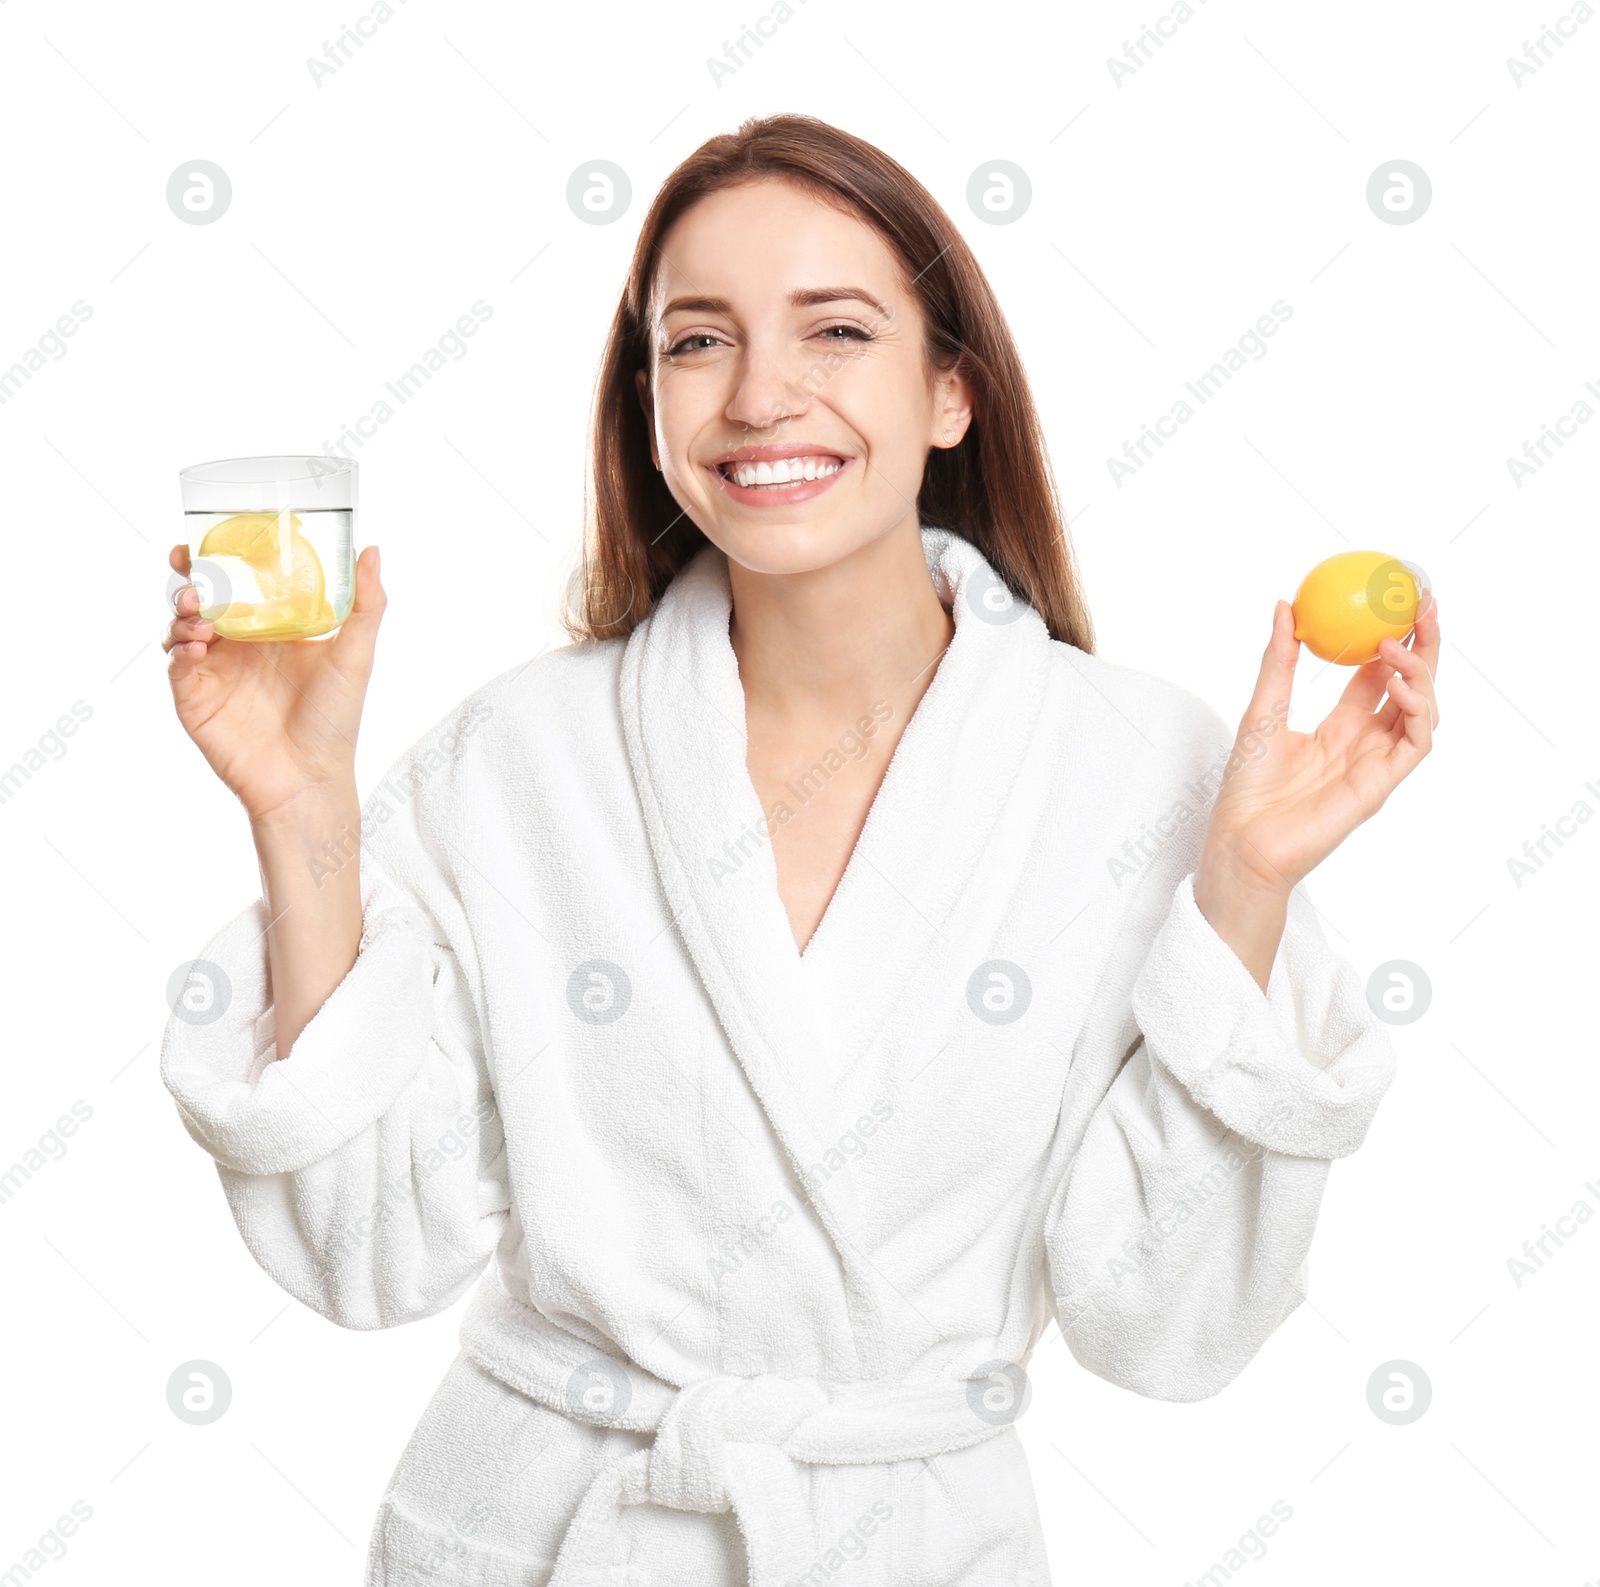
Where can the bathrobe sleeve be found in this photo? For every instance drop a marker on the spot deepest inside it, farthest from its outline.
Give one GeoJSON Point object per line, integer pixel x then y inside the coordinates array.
{"type": "Point", "coordinates": [1176, 1238]}
{"type": "Point", "coordinates": [366, 1170]}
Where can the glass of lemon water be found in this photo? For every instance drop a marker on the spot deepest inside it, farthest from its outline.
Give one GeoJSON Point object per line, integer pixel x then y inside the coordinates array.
{"type": "Point", "coordinates": [272, 544]}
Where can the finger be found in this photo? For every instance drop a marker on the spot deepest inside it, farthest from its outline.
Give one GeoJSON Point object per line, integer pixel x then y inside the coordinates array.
{"type": "Point", "coordinates": [182, 662]}
{"type": "Point", "coordinates": [178, 559]}
{"type": "Point", "coordinates": [1366, 686]}
{"type": "Point", "coordinates": [1425, 636]}
{"type": "Point", "coordinates": [1417, 715]}
{"type": "Point", "coordinates": [1275, 680]}
{"type": "Point", "coordinates": [183, 629]}
{"type": "Point", "coordinates": [1412, 665]}
{"type": "Point", "coordinates": [358, 634]}
{"type": "Point", "coordinates": [1424, 644]}
{"type": "Point", "coordinates": [1409, 685]}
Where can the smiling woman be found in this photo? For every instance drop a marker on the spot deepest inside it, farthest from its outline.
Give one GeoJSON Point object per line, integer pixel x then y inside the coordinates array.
{"type": "Point", "coordinates": [780, 214]}
{"type": "Point", "coordinates": [780, 1169]}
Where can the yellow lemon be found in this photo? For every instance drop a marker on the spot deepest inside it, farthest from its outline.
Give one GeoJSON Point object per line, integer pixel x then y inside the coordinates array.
{"type": "Point", "coordinates": [292, 600]}
{"type": "Point", "coordinates": [1345, 605]}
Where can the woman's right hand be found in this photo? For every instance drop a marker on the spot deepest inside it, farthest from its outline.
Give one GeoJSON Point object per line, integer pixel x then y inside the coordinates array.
{"type": "Point", "coordinates": [276, 719]}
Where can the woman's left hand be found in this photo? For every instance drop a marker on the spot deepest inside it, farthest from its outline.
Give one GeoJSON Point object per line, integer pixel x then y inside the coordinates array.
{"type": "Point", "coordinates": [1288, 799]}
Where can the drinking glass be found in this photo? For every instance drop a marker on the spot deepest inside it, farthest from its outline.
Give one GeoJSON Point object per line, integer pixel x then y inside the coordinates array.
{"type": "Point", "coordinates": [272, 544]}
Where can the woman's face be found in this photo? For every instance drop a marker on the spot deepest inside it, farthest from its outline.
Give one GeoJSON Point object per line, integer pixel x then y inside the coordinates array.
{"type": "Point", "coordinates": [787, 345]}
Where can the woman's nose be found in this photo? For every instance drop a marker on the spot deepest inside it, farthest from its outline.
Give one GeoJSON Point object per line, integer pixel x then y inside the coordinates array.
{"type": "Point", "coordinates": [771, 385]}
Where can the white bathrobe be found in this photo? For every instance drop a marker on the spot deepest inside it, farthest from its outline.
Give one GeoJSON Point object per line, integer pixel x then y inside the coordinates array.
{"type": "Point", "coordinates": [773, 1234]}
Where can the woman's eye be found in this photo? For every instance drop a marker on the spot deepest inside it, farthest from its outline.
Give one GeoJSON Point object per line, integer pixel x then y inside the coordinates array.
{"type": "Point", "coordinates": [687, 344]}
{"type": "Point", "coordinates": [697, 336]}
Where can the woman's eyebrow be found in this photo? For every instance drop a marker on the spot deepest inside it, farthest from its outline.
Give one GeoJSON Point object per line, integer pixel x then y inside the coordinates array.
{"type": "Point", "coordinates": [810, 297]}
{"type": "Point", "coordinates": [801, 298]}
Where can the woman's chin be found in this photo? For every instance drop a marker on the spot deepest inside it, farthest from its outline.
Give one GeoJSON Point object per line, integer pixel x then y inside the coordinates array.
{"type": "Point", "coordinates": [781, 543]}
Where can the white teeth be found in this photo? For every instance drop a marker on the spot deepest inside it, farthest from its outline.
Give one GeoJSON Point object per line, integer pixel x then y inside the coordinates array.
{"type": "Point", "coordinates": [784, 471]}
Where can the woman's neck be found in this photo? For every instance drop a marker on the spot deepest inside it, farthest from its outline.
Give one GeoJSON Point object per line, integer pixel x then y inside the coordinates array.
{"type": "Point", "coordinates": [819, 644]}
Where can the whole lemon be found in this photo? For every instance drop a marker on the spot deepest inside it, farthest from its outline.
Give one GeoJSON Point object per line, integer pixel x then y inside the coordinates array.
{"type": "Point", "coordinates": [1346, 604]}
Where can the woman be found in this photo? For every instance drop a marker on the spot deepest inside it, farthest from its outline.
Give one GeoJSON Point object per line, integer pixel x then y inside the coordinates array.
{"type": "Point", "coordinates": [807, 983]}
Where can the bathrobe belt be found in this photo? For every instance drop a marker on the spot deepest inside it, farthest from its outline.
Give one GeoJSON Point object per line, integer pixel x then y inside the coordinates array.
{"type": "Point", "coordinates": [721, 1442]}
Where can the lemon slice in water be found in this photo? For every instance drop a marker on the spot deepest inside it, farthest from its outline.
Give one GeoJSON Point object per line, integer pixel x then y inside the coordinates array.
{"type": "Point", "coordinates": [290, 599]}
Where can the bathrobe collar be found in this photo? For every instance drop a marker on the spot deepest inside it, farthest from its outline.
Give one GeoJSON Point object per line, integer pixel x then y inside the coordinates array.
{"type": "Point", "coordinates": [793, 1021]}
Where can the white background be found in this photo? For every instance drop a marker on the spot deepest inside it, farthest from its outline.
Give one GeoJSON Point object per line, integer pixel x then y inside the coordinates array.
{"type": "Point", "coordinates": [1168, 213]}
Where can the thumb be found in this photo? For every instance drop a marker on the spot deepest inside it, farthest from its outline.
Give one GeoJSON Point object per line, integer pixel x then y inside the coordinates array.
{"type": "Point", "coordinates": [1275, 681]}
{"type": "Point", "coordinates": [358, 634]}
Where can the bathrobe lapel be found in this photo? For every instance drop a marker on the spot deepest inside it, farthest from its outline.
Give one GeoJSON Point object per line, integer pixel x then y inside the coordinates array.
{"type": "Point", "coordinates": [799, 1026]}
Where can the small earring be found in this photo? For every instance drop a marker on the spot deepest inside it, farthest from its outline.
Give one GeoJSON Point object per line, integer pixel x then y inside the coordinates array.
{"type": "Point", "coordinates": [949, 435]}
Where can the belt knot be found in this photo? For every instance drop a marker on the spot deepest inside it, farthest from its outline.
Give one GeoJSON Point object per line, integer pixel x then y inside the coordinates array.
{"type": "Point", "coordinates": [688, 1465]}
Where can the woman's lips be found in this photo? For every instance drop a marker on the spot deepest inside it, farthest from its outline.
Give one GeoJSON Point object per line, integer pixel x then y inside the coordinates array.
{"type": "Point", "coordinates": [780, 495]}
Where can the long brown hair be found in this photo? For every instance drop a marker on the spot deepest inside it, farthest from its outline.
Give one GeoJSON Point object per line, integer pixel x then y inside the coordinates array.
{"type": "Point", "coordinates": [995, 488]}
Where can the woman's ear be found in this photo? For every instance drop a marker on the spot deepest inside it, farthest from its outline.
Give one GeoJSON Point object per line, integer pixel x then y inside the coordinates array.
{"type": "Point", "coordinates": [952, 408]}
{"type": "Point", "coordinates": [641, 384]}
